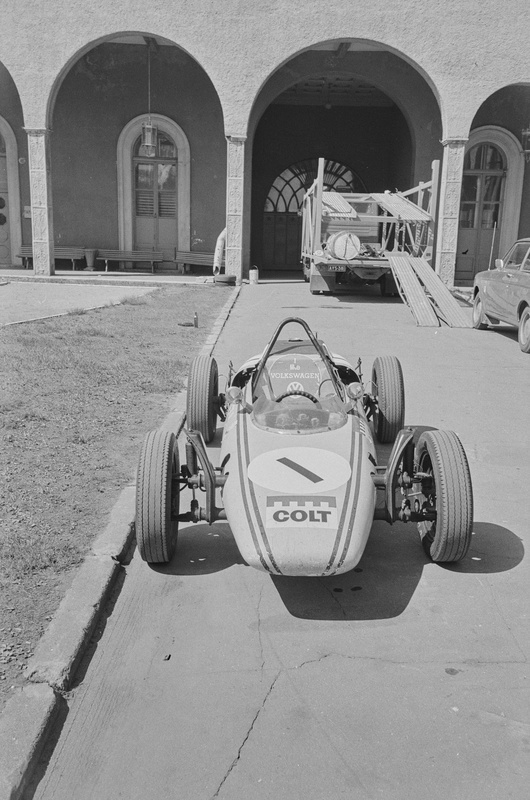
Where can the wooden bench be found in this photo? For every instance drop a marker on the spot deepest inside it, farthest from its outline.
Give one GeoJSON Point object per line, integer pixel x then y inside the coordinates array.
{"type": "Point", "coordinates": [72, 254]}
{"type": "Point", "coordinates": [150, 256]}
{"type": "Point", "coordinates": [193, 258]}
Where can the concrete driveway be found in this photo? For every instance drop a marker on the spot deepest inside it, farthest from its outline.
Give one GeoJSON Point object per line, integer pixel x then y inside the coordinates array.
{"type": "Point", "coordinates": [401, 679]}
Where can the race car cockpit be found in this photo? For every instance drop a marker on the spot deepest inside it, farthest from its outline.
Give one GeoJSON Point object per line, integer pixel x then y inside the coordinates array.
{"type": "Point", "coordinates": [296, 388]}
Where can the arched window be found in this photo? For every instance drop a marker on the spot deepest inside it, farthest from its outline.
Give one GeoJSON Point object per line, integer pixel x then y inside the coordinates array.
{"type": "Point", "coordinates": [10, 221]}
{"type": "Point", "coordinates": [484, 170]}
{"type": "Point", "coordinates": [282, 223]}
{"type": "Point", "coordinates": [157, 187]}
{"type": "Point", "coordinates": [481, 210]}
{"type": "Point", "coordinates": [155, 179]}
{"type": "Point", "coordinates": [287, 191]}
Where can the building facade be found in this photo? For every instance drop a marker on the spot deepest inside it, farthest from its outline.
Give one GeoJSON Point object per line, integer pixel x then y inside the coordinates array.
{"type": "Point", "coordinates": [242, 100]}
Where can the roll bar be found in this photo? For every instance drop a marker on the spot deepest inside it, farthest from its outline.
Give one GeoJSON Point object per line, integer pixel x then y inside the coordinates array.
{"type": "Point", "coordinates": [319, 347]}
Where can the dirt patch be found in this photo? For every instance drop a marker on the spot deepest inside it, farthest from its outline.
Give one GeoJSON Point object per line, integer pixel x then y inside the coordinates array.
{"type": "Point", "coordinates": [78, 393]}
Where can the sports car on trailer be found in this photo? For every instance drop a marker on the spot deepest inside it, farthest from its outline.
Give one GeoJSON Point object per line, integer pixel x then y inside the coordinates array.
{"type": "Point", "coordinates": [298, 473]}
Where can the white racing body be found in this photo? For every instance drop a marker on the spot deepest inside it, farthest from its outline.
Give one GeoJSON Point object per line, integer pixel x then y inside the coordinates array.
{"type": "Point", "coordinates": [298, 472]}
{"type": "Point", "coordinates": [299, 494]}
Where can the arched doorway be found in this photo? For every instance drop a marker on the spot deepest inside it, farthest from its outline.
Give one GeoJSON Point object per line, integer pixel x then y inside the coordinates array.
{"type": "Point", "coordinates": [282, 226]}
{"type": "Point", "coordinates": [367, 109]}
{"type": "Point", "coordinates": [5, 245]}
{"type": "Point", "coordinates": [490, 200]}
{"type": "Point", "coordinates": [480, 208]}
{"type": "Point", "coordinates": [10, 224]}
{"type": "Point", "coordinates": [155, 196]}
{"type": "Point", "coordinates": [154, 192]}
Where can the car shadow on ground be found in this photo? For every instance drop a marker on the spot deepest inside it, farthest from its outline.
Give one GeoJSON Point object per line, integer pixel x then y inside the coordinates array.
{"type": "Point", "coordinates": [201, 550]}
{"type": "Point", "coordinates": [504, 330]}
{"type": "Point", "coordinates": [384, 582]}
{"type": "Point", "coordinates": [380, 587]}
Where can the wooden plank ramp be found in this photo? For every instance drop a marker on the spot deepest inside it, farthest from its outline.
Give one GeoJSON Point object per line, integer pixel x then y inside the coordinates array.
{"type": "Point", "coordinates": [411, 290]}
{"type": "Point", "coordinates": [445, 304]}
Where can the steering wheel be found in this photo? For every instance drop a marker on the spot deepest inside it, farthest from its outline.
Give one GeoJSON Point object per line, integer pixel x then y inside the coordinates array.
{"type": "Point", "coordinates": [298, 392]}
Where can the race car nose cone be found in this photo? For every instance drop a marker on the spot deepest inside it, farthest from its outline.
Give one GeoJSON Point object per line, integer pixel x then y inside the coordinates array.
{"type": "Point", "coordinates": [305, 470]}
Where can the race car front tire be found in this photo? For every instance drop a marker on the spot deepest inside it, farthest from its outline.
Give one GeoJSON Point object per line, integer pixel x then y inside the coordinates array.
{"type": "Point", "coordinates": [157, 497]}
{"type": "Point", "coordinates": [389, 391]}
{"type": "Point", "coordinates": [440, 453]}
{"type": "Point", "coordinates": [203, 388]}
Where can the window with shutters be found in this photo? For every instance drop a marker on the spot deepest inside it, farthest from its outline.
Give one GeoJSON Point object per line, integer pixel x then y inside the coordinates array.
{"type": "Point", "coordinates": [155, 179]}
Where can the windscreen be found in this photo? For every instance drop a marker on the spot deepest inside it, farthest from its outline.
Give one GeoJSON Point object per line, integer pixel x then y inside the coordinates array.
{"type": "Point", "coordinates": [295, 392]}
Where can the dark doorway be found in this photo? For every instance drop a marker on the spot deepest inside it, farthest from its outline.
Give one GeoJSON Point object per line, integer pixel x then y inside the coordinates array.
{"type": "Point", "coordinates": [358, 129]}
{"type": "Point", "coordinates": [282, 225]}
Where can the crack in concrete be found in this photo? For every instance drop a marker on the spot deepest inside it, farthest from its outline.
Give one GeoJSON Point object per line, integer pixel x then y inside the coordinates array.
{"type": "Point", "coordinates": [467, 662]}
{"type": "Point", "coordinates": [318, 660]}
{"type": "Point", "coordinates": [246, 738]}
{"type": "Point", "coordinates": [335, 598]}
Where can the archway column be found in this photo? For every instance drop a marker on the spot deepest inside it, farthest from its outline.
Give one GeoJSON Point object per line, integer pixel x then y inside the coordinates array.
{"type": "Point", "coordinates": [449, 208]}
{"type": "Point", "coordinates": [234, 205]}
{"type": "Point", "coordinates": [41, 200]}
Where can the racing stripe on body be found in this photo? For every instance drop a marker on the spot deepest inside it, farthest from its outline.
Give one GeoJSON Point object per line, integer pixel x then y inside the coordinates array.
{"type": "Point", "coordinates": [311, 476]}
{"type": "Point", "coordinates": [353, 446]}
{"type": "Point", "coordinates": [246, 484]}
{"type": "Point", "coordinates": [353, 509]}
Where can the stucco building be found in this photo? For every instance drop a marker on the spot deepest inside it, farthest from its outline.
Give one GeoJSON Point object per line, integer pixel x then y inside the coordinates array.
{"type": "Point", "coordinates": [244, 98]}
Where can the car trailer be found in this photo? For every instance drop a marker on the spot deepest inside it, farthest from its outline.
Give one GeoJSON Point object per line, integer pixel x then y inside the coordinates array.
{"type": "Point", "coordinates": [378, 237]}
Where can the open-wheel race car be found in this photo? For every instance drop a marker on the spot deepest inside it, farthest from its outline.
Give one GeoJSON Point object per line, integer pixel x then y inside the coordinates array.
{"type": "Point", "coordinates": [298, 473]}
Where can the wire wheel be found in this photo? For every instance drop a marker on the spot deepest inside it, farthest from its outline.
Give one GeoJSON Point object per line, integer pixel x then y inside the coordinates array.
{"type": "Point", "coordinates": [389, 392]}
{"type": "Point", "coordinates": [203, 389]}
{"type": "Point", "coordinates": [446, 489]}
{"type": "Point", "coordinates": [157, 497]}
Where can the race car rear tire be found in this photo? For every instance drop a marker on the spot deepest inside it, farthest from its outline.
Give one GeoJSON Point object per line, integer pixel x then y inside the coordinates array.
{"type": "Point", "coordinates": [157, 497]}
{"type": "Point", "coordinates": [447, 538]}
{"type": "Point", "coordinates": [203, 388]}
{"type": "Point", "coordinates": [389, 391]}
{"type": "Point", "coordinates": [523, 334]}
{"type": "Point", "coordinates": [480, 321]}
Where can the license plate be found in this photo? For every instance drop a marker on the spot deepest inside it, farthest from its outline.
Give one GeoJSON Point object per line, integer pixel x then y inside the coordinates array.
{"type": "Point", "coordinates": [336, 267]}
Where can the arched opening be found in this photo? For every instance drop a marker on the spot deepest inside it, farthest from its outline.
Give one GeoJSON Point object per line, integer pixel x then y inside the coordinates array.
{"type": "Point", "coordinates": [494, 209]}
{"type": "Point", "coordinates": [10, 221]}
{"type": "Point", "coordinates": [108, 192]}
{"type": "Point", "coordinates": [355, 105]}
{"type": "Point", "coordinates": [154, 189]}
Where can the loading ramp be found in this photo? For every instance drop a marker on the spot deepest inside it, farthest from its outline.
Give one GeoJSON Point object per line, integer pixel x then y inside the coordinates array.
{"type": "Point", "coordinates": [428, 298]}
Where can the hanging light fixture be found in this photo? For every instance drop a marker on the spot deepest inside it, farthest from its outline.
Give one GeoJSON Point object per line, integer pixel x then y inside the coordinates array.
{"type": "Point", "coordinates": [149, 131]}
{"type": "Point", "coordinates": [525, 140]}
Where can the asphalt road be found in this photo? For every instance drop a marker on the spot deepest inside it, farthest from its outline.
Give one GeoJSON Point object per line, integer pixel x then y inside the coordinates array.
{"type": "Point", "coordinates": [400, 680]}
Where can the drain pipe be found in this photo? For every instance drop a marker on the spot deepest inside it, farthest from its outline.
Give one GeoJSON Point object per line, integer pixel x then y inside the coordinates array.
{"type": "Point", "coordinates": [218, 255]}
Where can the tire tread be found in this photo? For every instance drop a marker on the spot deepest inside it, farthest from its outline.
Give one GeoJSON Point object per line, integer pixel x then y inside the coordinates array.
{"type": "Point", "coordinates": [202, 387]}
{"type": "Point", "coordinates": [454, 496]}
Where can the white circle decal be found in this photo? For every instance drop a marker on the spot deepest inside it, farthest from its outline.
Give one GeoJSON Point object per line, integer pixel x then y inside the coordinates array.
{"type": "Point", "coordinates": [299, 470]}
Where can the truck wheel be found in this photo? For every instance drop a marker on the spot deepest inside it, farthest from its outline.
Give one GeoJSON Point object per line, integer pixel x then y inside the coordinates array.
{"type": "Point", "coordinates": [446, 489]}
{"type": "Point", "coordinates": [389, 392]}
{"type": "Point", "coordinates": [157, 497]}
{"type": "Point", "coordinates": [203, 389]}
{"type": "Point", "coordinates": [387, 285]}
{"type": "Point", "coordinates": [523, 334]}
{"type": "Point", "coordinates": [480, 321]}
